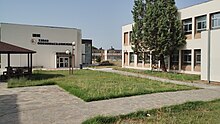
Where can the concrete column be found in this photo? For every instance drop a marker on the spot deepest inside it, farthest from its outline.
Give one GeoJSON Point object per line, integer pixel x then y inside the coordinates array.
{"type": "Point", "coordinates": [192, 60]}
{"type": "Point", "coordinates": [193, 27]}
{"type": "Point", "coordinates": [123, 56]}
{"type": "Point", "coordinates": [180, 60]}
{"type": "Point", "coordinates": [143, 60]}
{"type": "Point", "coordinates": [106, 55]}
{"type": "Point", "coordinates": [135, 60]}
{"type": "Point", "coordinates": [208, 19]}
{"type": "Point", "coordinates": [128, 58]}
{"type": "Point", "coordinates": [168, 68]}
{"type": "Point", "coordinates": [151, 60]}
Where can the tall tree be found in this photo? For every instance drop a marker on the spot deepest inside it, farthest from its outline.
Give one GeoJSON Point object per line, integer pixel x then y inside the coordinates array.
{"type": "Point", "coordinates": [137, 28]}
{"type": "Point", "coordinates": [162, 29]}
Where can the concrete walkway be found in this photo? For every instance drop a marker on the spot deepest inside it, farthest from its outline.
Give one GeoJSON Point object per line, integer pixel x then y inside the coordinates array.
{"type": "Point", "coordinates": [52, 105]}
{"type": "Point", "coordinates": [199, 85]}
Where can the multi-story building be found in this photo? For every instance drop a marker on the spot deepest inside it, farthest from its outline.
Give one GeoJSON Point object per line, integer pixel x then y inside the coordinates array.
{"type": "Point", "coordinates": [50, 43]}
{"type": "Point", "coordinates": [107, 55]}
{"type": "Point", "coordinates": [201, 54]}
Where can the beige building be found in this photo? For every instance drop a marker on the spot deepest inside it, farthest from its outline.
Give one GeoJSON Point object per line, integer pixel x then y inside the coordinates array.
{"type": "Point", "coordinates": [201, 55]}
{"type": "Point", "coordinates": [50, 43]}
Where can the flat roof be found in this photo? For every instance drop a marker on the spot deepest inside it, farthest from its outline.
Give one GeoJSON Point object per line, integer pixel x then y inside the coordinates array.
{"type": "Point", "coordinates": [6, 48]}
{"type": "Point", "coordinates": [195, 4]}
{"type": "Point", "coordinates": [40, 26]}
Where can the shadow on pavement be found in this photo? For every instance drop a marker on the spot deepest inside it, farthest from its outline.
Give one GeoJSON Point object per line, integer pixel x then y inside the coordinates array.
{"type": "Point", "coordinates": [9, 109]}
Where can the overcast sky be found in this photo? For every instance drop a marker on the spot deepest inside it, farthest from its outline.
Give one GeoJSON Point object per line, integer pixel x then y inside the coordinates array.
{"type": "Point", "coordinates": [99, 20]}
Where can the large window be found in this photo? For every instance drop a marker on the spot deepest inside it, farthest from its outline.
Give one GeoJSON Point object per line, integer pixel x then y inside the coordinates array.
{"type": "Point", "coordinates": [131, 57]}
{"type": "Point", "coordinates": [126, 38]}
{"type": "Point", "coordinates": [187, 56]}
{"type": "Point", "coordinates": [201, 23]}
{"type": "Point", "coordinates": [175, 57]}
{"type": "Point", "coordinates": [147, 58]}
{"type": "Point", "coordinates": [198, 56]}
{"type": "Point", "coordinates": [216, 20]}
{"type": "Point", "coordinates": [139, 57]}
{"type": "Point", "coordinates": [187, 26]}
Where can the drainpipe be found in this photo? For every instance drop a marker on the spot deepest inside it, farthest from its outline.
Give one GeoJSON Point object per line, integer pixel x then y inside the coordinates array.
{"type": "Point", "coordinates": [209, 51]}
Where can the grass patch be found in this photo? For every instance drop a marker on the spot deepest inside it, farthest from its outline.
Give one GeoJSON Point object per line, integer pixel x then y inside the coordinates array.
{"type": "Point", "coordinates": [167, 75]}
{"type": "Point", "coordinates": [188, 113]}
{"type": "Point", "coordinates": [94, 85]}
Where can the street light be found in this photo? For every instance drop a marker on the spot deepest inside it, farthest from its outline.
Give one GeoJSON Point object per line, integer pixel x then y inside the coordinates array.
{"type": "Point", "coordinates": [73, 55]}
{"type": "Point", "coordinates": [69, 55]}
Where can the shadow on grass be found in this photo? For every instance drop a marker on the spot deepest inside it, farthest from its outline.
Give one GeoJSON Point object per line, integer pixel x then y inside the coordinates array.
{"type": "Point", "coordinates": [37, 77]}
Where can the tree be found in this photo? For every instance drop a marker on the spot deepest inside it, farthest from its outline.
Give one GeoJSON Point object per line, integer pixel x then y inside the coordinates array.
{"type": "Point", "coordinates": [137, 29]}
{"type": "Point", "coordinates": [162, 30]}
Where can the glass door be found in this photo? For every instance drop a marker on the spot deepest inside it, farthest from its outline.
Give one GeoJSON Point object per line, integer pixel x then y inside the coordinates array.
{"type": "Point", "coordinates": [63, 62]}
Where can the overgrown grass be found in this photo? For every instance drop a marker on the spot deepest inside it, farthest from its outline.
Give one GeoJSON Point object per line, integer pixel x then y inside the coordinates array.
{"type": "Point", "coordinates": [94, 85]}
{"type": "Point", "coordinates": [188, 113]}
{"type": "Point", "coordinates": [167, 75]}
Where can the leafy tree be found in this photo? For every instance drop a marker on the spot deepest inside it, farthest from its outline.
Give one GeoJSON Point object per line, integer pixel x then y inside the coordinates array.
{"type": "Point", "coordinates": [137, 29]}
{"type": "Point", "coordinates": [162, 30]}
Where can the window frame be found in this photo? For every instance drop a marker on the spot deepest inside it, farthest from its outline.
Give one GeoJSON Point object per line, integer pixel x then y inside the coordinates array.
{"type": "Point", "coordinates": [187, 23]}
{"type": "Point", "coordinates": [147, 58]}
{"type": "Point", "coordinates": [197, 53]}
{"type": "Point", "coordinates": [215, 20]}
{"type": "Point", "coordinates": [176, 54]}
{"type": "Point", "coordinates": [187, 54]}
{"type": "Point", "coordinates": [203, 23]}
{"type": "Point", "coordinates": [131, 57]}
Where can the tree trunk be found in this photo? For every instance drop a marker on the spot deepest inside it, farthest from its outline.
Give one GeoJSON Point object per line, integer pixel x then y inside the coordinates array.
{"type": "Point", "coordinates": [162, 63]}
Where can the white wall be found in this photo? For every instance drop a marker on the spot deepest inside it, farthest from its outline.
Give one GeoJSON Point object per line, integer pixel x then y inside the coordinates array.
{"type": "Point", "coordinates": [21, 35]}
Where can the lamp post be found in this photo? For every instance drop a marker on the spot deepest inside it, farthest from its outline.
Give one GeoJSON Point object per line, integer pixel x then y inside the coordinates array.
{"type": "Point", "coordinates": [69, 55]}
{"type": "Point", "coordinates": [73, 55]}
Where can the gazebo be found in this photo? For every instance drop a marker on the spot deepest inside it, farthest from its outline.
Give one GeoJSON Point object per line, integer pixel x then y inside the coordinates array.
{"type": "Point", "coordinates": [9, 49]}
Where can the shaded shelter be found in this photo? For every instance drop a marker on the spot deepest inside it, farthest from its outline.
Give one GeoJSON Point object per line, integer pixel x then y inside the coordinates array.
{"type": "Point", "coordinates": [9, 49]}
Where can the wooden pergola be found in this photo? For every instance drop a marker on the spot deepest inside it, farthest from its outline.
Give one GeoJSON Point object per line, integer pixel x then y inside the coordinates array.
{"type": "Point", "coordinates": [9, 49]}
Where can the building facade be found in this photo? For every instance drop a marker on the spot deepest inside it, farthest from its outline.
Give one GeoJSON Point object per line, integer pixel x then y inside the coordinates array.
{"type": "Point", "coordinates": [50, 43]}
{"type": "Point", "coordinates": [201, 53]}
{"type": "Point", "coordinates": [107, 55]}
{"type": "Point", "coordinates": [86, 52]}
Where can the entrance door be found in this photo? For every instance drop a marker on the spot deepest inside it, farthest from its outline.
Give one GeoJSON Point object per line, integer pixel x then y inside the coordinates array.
{"type": "Point", "coordinates": [63, 62]}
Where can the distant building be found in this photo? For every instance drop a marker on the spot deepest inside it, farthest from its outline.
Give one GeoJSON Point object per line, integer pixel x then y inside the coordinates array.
{"type": "Point", "coordinates": [201, 53]}
{"type": "Point", "coordinates": [86, 51]}
{"type": "Point", "coordinates": [106, 55]}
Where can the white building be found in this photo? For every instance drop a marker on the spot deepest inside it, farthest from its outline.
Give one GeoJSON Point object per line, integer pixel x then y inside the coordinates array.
{"type": "Point", "coordinates": [50, 43]}
{"type": "Point", "coordinates": [201, 55]}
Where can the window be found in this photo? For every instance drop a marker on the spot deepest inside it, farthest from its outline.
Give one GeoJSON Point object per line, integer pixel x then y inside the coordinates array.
{"type": "Point", "coordinates": [215, 20]}
{"type": "Point", "coordinates": [175, 57]}
{"type": "Point", "coordinates": [201, 23]}
{"type": "Point", "coordinates": [187, 56]}
{"type": "Point", "coordinates": [131, 57]}
{"type": "Point", "coordinates": [126, 38]}
{"type": "Point", "coordinates": [35, 35]}
{"type": "Point", "coordinates": [139, 58]}
{"type": "Point", "coordinates": [198, 56]}
{"type": "Point", "coordinates": [187, 26]}
{"type": "Point", "coordinates": [147, 58]}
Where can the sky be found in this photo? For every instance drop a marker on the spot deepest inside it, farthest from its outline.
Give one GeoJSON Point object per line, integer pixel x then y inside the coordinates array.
{"type": "Point", "coordinates": [99, 20]}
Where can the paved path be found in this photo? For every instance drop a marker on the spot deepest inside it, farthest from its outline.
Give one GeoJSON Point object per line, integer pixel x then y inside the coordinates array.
{"type": "Point", "coordinates": [200, 85]}
{"type": "Point", "coordinates": [52, 105]}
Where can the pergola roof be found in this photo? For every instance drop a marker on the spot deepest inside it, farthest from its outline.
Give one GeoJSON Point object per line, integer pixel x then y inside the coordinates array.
{"type": "Point", "coordinates": [6, 48]}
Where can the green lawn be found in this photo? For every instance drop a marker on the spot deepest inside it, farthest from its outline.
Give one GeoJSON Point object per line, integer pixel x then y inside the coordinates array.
{"type": "Point", "coordinates": [94, 85]}
{"type": "Point", "coordinates": [168, 75]}
{"type": "Point", "coordinates": [188, 113]}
